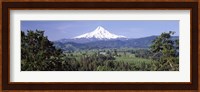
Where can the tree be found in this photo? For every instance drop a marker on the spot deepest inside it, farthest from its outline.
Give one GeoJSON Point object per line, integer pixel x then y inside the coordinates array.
{"type": "Point", "coordinates": [38, 53]}
{"type": "Point", "coordinates": [115, 52]}
{"type": "Point", "coordinates": [164, 50]}
{"type": "Point", "coordinates": [143, 53]}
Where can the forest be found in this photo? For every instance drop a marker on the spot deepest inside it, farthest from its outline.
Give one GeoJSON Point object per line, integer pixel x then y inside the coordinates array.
{"type": "Point", "coordinates": [38, 53]}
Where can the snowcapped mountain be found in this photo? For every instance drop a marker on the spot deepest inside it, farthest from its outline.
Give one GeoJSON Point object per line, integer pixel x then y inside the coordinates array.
{"type": "Point", "coordinates": [99, 33]}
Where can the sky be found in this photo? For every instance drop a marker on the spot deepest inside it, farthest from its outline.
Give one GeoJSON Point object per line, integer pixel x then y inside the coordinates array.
{"type": "Point", "coordinates": [56, 30]}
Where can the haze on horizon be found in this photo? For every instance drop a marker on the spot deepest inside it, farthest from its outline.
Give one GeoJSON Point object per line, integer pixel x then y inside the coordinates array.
{"type": "Point", "coordinates": [56, 30]}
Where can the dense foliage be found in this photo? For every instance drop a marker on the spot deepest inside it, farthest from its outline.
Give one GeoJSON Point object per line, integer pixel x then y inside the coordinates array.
{"type": "Point", "coordinates": [165, 51]}
{"type": "Point", "coordinates": [37, 52]}
{"type": "Point", "coordinates": [40, 54]}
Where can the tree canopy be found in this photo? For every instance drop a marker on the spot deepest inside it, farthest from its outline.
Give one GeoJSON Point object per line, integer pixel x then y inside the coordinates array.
{"type": "Point", "coordinates": [37, 52]}
{"type": "Point", "coordinates": [165, 51]}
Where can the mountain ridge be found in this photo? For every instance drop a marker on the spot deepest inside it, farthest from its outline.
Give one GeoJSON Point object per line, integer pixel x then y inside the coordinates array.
{"type": "Point", "coordinates": [144, 42]}
{"type": "Point", "coordinates": [100, 38]}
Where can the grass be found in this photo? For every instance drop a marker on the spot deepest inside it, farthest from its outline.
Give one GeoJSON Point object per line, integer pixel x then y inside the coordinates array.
{"type": "Point", "coordinates": [131, 58]}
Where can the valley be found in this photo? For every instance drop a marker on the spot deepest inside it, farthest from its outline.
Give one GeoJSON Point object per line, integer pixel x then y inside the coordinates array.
{"type": "Point", "coordinates": [100, 50]}
{"type": "Point", "coordinates": [124, 59]}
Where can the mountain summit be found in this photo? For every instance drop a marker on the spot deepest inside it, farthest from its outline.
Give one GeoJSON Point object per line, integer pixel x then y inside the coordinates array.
{"type": "Point", "coordinates": [99, 33]}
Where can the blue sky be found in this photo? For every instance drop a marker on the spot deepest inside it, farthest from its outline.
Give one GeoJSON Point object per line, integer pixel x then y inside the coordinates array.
{"type": "Point", "coordinates": [56, 30]}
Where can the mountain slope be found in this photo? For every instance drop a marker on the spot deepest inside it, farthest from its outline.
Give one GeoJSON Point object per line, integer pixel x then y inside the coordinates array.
{"type": "Point", "coordinates": [99, 33]}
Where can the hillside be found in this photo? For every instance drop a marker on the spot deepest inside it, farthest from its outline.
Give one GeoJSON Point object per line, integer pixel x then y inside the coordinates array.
{"type": "Point", "coordinates": [102, 44]}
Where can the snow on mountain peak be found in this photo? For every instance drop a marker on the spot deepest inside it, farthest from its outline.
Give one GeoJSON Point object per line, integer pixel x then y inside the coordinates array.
{"type": "Point", "coordinates": [100, 33]}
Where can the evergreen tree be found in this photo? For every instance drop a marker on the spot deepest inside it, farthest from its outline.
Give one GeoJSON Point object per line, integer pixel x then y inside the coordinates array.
{"type": "Point", "coordinates": [164, 50]}
{"type": "Point", "coordinates": [38, 53]}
